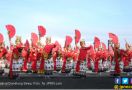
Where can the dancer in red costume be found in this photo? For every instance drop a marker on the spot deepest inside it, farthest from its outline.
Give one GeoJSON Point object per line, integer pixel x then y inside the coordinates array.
{"type": "Point", "coordinates": [19, 46]}
{"type": "Point", "coordinates": [41, 56]}
{"type": "Point", "coordinates": [16, 59]}
{"type": "Point", "coordinates": [98, 53]}
{"type": "Point", "coordinates": [42, 63]}
{"type": "Point", "coordinates": [117, 57]}
{"type": "Point", "coordinates": [33, 59]}
{"type": "Point", "coordinates": [76, 48]}
{"type": "Point", "coordinates": [97, 59]}
{"type": "Point", "coordinates": [3, 52]}
{"type": "Point", "coordinates": [15, 55]}
{"type": "Point", "coordinates": [90, 58]}
{"type": "Point", "coordinates": [49, 67]}
{"type": "Point", "coordinates": [58, 60]}
{"type": "Point", "coordinates": [82, 55]}
{"type": "Point", "coordinates": [67, 55]}
{"type": "Point", "coordinates": [33, 52]}
{"type": "Point", "coordinates": [126, 57]}
{"type": "Point", "coordinates": [25, 54]}
{"type": "Point", "coordinates": [11, 33]}
{"type": "Point", "coordinates": [57, 55]}
{"type": "Point", "coordinates": [117, 52]}
{"type": "Point", "coordinates": [105, 60]}
{"type": "Point", "coordinates": [67, 59]}
{"type": "Point", "coordinates": [75, 57]}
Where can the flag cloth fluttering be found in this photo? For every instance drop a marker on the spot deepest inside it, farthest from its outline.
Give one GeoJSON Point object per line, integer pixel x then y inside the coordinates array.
{"type": "Point", "coordinates": [34, 38]}
{"type": "Point", "coordinates": [114, 38]}
{"type": "Point", "coordinates": [1, 38]}
{"type": "Point", "coordinates": [96, 42]}
{"type": "Point", "coordinates": [68, 40]}
{"type": "Point", "coordinates": [11, 30]}
{"type": "Point", "coordinates": [77, 36]}
{"type": "Point", "coordinates": [42, 31]}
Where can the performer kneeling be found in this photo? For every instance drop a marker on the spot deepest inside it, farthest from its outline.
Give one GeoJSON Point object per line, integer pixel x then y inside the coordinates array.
{"type": "Point", "coordinates": [49, 65]}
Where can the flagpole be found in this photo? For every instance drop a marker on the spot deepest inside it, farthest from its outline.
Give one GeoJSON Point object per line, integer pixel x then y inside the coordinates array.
{"type": "Point", "coordinates": [108, 45]}
{"type": "Point", "coordinates": [39, 37]}
{"type": "Point", "coordinates": [75, 42]}
{"type": "Point", "coordinates": [9, 40]}
{"type": "Point", "coordinates": [11, 61]}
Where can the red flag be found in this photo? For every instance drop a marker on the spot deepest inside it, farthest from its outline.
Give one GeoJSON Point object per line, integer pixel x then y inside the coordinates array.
{"type": "Point", "coordinates": [103, 45]}
{"type": "Point", "coordinates": [11, 30]}
{"type": "Point", "coordinates": [26, 44]}
{"type": "Point", "coordinates": [42, 31]}
{"type": "Point", "coordinates": [1, 38]}
{"type": "Point", "coordinates": [114, 38]}
{"type": "Point", "coordinates": [48, 48]}
{"type": "Point", "coordinates": [96, 42]}
{"type": "Point", "coordinates": [92, 52]}
{"type": "Point", "coordinates": [57, 44]}
{"type": "Point", "coordinates": [34, 38]}
{"type": "Point", "coordinates": [55, 49]}
{"type": "Point", "coordinates": [24, 53]}
{"type": "Point", "coordinates": [111, 52]}
{"type": "Point", "coordinates": [68, 40]}
{"type": "Point", "coordinates": [77, 36]}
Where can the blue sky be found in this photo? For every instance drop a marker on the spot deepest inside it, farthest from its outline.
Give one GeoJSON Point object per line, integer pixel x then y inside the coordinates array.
{"type": "Point", "coordinates": [62, 17]}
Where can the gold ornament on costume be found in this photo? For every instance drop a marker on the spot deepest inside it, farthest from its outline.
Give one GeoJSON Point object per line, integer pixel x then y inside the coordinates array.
{"type": "Point", "coordinates": [16, 56]}
{"type": "Point", "coordinates": [69, 59]}
{"type": "Point", "coordinates": [48, 40]}
{"type": "Point", "coordinates": [18, 40]}
{"type": "Point", "coordinates": [45, 55]}
{"type": "Point", "coordinates": [39, 44]}
{"type": "Point", "coordinates": [59, 55]}
{"type": "Point", "coordinates": [82, 42]}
